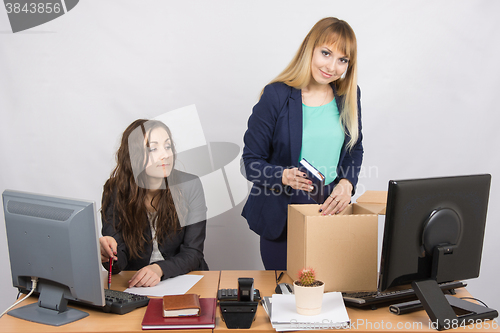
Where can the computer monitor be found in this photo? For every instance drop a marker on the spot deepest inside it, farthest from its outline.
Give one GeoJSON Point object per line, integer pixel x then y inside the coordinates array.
{"type": "Point", "coordinates": [433, 233]}
{"type": "Point", "coordinates": [55, 240]}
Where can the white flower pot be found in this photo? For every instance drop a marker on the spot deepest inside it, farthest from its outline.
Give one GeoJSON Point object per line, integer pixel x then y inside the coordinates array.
{"type": "Point", "coordinates": [308, 300]}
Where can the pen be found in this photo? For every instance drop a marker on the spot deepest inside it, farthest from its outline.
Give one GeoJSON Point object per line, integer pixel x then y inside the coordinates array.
{"type": "Point", "coordinates": [279, 277]}
{"type": "Point", "coordinates": [109, 273]}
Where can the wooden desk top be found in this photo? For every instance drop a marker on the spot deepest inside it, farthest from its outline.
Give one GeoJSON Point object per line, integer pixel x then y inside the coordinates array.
{"type": "Point", "coordinates": [98, 321]}
{"type": "Point", "coordinates": [380, 320]}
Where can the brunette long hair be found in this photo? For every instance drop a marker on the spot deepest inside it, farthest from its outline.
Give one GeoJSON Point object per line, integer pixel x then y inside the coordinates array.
{"type": "Point", "coordinates": [124, 195]}
{"type": "Point", "coordinates": [297, 74]}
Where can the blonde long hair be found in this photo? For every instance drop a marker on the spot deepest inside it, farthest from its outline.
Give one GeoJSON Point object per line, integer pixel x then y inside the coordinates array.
{"type": "Point", "coordinates": [339, 34]}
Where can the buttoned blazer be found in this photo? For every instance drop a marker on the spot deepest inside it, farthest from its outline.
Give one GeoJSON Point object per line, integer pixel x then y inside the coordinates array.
{"type": "Point", "coordinates": [273, 142]}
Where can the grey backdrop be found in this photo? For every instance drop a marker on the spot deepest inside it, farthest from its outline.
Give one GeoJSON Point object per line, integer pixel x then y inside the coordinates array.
{"type": "Point", "coordinates": [428, 71]}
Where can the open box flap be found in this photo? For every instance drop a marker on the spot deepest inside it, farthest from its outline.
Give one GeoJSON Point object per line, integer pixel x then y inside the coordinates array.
{"type": "Point", "coordinates": [375, 201]}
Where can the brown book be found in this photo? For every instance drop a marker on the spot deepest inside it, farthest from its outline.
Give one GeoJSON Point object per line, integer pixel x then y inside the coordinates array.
{"type": "Point", "coordinates": [181, 305]}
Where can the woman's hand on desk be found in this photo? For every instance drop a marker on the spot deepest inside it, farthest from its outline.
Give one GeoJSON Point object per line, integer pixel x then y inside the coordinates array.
{"type": "Point", "coordinates": [147, 276]}
{"type": "Point", "coordinates": [339, 199]}
{"type": "Point", "coordinates": [296, 179]}
{"type": "Point", "coordinates": [108, 248]}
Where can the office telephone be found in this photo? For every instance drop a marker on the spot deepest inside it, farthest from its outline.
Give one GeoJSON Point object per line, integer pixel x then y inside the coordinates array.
{"type": "Point", "coordinates": [232, 295]}
{"type": "Point", "coordinates": [238, 306]}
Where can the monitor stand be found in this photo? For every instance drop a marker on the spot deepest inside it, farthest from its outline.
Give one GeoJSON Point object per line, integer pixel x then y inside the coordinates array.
{"type": "Point", "coordinates": [442, 309]}
{"type": "Point", "coordinates": [51, 309]}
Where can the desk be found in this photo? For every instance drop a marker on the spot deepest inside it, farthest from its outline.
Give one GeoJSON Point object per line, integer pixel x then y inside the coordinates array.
{"type": "Point", "coordinates": [98, 321]}
{"type": "Point", "coordinates": [265, 281]}
{"type": "Point", "coordinates": [381, 320]}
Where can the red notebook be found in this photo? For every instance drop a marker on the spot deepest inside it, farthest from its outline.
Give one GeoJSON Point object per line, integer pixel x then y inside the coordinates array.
{"type": "Point", "coordinates": [154, 320]}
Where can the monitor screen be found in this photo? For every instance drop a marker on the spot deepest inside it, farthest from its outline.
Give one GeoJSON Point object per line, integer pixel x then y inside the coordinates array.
{"type": "Point", "coordinates": [55, 240]}
{"type": "Point", "coordinates": [434, 229]}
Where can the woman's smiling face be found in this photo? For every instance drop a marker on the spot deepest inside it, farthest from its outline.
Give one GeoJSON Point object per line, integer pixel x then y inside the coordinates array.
{"type": "Point", "coordinates": [328, 64]}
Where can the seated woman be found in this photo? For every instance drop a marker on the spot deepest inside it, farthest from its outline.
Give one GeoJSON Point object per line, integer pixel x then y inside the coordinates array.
{"type": "Point", "coordinates": [153, 216]}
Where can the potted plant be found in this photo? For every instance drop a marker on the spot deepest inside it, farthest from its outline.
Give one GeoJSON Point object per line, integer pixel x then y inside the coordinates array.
{"type": "Point", "coordinates": [308, 292]}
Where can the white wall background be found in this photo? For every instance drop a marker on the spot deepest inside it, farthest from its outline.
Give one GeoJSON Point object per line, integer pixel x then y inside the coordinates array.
{"type": "Point", "coordinates": [428, 70]}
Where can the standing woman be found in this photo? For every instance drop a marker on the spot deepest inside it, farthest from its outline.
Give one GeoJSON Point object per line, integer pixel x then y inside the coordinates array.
{"type": "Point", "coordinates": [153, 216]}
{"type": "Point", "coordinates": [311, 110]}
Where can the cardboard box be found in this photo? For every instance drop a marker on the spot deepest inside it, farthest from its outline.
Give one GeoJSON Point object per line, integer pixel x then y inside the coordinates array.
{"type": "Point", "coordinates": [341, 248]}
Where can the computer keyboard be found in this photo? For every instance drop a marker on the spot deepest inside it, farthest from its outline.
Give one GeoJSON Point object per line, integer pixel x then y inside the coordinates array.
{"type": "Point", "coordinates": [376, 298]}
{"type": "Point", "coordinates": [122, 302]}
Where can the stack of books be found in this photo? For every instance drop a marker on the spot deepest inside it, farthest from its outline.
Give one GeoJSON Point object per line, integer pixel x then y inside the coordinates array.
{"type": "Point", "coordinates": [180, 312]}
{"type": "Point", "coordinates": [284, 317]}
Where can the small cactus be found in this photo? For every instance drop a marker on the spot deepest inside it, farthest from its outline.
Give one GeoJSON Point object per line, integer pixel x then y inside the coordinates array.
{"type": "Point", "coordinates": [307, 276]}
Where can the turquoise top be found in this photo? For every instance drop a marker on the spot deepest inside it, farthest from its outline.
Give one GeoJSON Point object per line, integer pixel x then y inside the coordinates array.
{"type": "Point", "coordinates": [322, 138]}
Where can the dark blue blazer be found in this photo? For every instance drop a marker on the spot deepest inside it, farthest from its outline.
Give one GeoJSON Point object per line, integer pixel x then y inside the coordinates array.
{"type": "Point", "coordinates": [273, 142]}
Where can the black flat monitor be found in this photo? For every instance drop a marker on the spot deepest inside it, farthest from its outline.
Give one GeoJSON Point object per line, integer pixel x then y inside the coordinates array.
{"type": "Point", "coordinates": [433, 233]}
{"type": "Point", "coordinates": [55, 240]}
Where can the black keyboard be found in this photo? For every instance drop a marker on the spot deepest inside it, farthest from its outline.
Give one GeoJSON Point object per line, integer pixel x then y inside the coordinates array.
{"type": "Point", "coordinates": [376, 298]}
{"type": "Point", "coordinates": [121, 302]}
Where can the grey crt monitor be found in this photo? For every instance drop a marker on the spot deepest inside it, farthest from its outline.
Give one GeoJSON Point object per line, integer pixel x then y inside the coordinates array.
{"type": "Point", "coordinates": [56, 240]}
